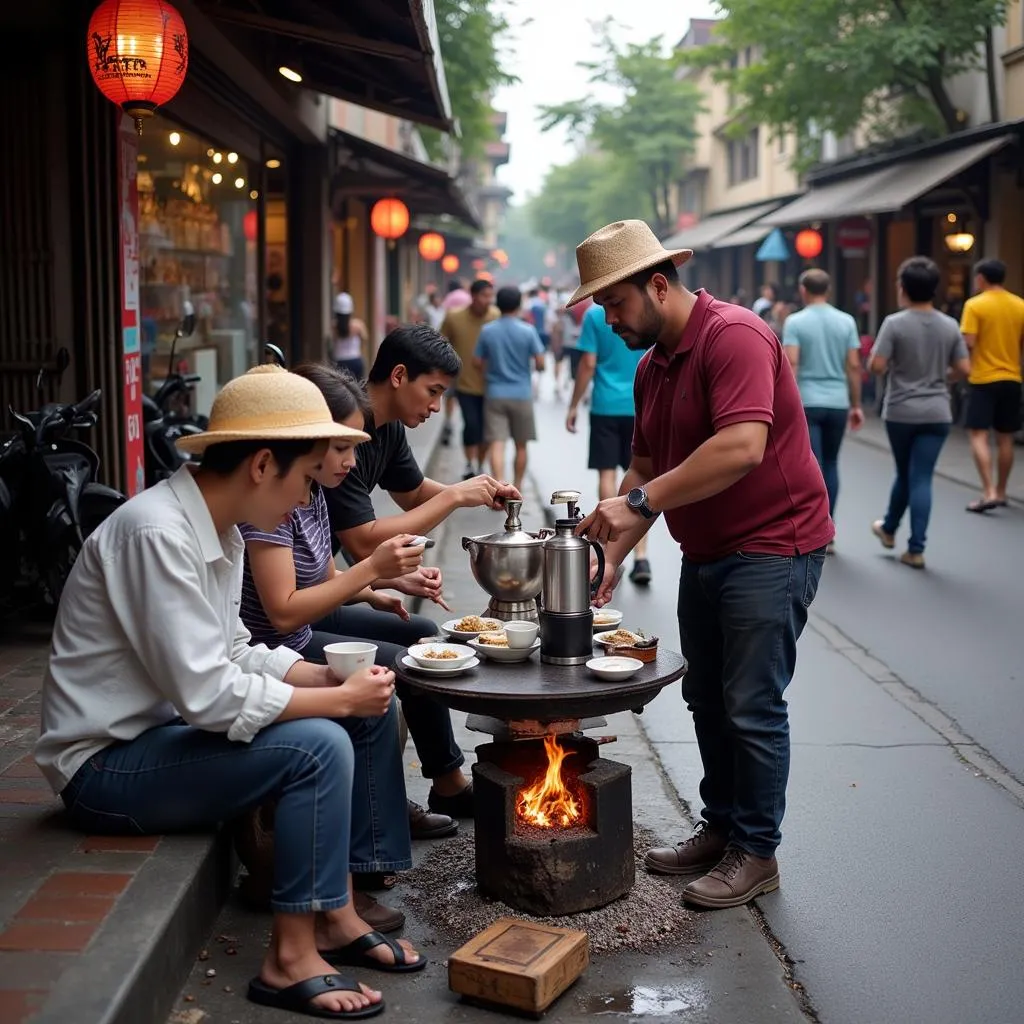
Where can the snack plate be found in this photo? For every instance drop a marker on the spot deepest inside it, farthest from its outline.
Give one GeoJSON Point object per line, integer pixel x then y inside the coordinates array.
{"type": "Point", "coordinates": [458, 634]}
{"type": "Point", "coordinates": [506, 655]}
{"type": "Point", "coordinates": [616, 669]}
{"type": "Point", "coordinates": [612, 619]}
{"type": "Point", "coordinates": [604, 638]}
{"type": "Point", "coordinates": [409, 663]}
{"type": "Point", "coordinates": [419, 653]}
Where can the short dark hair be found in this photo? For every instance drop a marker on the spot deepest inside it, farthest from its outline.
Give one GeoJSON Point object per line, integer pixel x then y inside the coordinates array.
{"type": "Point", "coordinates": [344, 394]}
{"type": "Point", "coordinates": [509, 299]}
{"type": "Point", "coordinates": [454, 286]}
{"type": "Point", "coordinates": [666, 268]}
{"type": "Point", "coordinates": [919, 278]}
{"type": "Point", "coordinates": [994, 271]}
{"type": "Point", "coordinates": [225, 457]}
{"type": "Point", "coordinates": [417, 347]}
{"type": "Point", "coordinates": [479, 285]}
{"type": "Point", "coordinates": [816, 281]}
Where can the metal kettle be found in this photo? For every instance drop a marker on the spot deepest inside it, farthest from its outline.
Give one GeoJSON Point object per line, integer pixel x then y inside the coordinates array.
{"type": "Point", "coordinates": [567, 589]}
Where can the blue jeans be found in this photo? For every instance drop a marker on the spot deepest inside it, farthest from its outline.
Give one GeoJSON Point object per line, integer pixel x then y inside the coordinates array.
{"type": "Point", "coordinates": [827, 427]}
{"type": "Point", "coordinates": [739, 621]}
{"type": "Point", "coordinates": [339, 786]}
{"type": "Point", "coordinates": [915, 450]}
{"type": "Point", "coordinates": [430, 723]}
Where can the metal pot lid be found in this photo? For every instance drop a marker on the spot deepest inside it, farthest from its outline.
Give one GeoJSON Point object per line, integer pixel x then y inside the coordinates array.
{"type": "Point", "coordinates": [513, 535]}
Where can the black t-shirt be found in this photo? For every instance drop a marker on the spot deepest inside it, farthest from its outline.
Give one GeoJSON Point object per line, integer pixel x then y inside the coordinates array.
{"type": "Point", "coordinates": [385, 461]}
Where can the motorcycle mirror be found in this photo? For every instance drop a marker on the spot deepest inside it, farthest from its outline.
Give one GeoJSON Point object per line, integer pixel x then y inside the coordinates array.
{"type": "Point", "coordinates": [63, 360]}
{"type": "Point", "coordinates": [274, 354]}
{"type": "Point", "coordinates": [187, 326]}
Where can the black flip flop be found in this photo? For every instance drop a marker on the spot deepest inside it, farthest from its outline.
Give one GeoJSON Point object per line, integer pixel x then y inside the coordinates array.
{"type": "Point", "coordinates": [299, 998]}
{"type": "Point", "coordinates": [357, 954]}
{"type": "Point", "coordinates": [981, 507]}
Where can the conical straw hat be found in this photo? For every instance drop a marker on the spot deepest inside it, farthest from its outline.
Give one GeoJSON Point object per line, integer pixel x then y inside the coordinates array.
{"type": "Point", "coordinates": [618, 251]}
{"type": "Point", "coordinates": [269, 404]}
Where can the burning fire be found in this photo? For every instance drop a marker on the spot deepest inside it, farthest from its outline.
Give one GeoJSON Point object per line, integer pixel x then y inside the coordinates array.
{"type": "Point", "coordinates": [548, 802]}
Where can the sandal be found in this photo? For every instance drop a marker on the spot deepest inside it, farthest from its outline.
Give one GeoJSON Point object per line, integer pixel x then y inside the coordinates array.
{"type": "Point", "coordinates": [298, 998]}
{"type": "Point", "coordinates": [982, 505]}
{"type": "Point", "coordinates": [357, 954]}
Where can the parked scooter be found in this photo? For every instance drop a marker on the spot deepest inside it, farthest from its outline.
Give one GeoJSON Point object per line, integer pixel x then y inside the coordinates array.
{"type": "Point", "coordinates": [50, 500]}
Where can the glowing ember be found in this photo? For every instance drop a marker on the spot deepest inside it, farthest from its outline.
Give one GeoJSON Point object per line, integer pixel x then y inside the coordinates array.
{"type": "Point", "coordinates": [549, 802]}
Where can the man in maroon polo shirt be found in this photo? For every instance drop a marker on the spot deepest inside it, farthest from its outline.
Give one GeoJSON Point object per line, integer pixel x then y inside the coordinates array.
{"type": "Point", "coordinates": [721, 449]}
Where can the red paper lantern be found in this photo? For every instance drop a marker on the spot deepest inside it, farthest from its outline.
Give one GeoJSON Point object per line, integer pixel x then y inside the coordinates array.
{"type": "Point", "coordinates": [138, 54]}
{"type": "Point", "coordinates": [389, 218]}
{"type": "Point", "coordinates": [450, 263]}
{"type": "Point", "coordinates": [808, 244]}
{"type": "Point", "coordinates": [431, 246]}
{"type": "Point", "coordinates": [250, 224]}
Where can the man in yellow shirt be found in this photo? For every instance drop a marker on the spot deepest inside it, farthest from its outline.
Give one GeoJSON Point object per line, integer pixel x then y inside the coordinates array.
{"type": "Point", "coordinates": [993, 327]}
{"type": "Point", "coordinates": [462, 328]}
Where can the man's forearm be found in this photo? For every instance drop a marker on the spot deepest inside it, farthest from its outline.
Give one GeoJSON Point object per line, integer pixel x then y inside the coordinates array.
{"type": "Point", "coordinates": [853, 377]}
{"type": "Point", "coordinates": [616, 551]}
{"type": "Point", "coordinates": [417, 521]}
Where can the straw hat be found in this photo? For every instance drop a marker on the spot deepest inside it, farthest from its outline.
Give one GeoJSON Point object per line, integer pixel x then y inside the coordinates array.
{"type": "Point", "coordinates": [618, 251]}
{"type": "Point", "coordinates": [268, 404]}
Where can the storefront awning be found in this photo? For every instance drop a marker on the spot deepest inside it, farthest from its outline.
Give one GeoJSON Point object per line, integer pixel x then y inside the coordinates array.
{"type": "Point", "coordinates": [706, 233]}
{"type": "Point", "coordinates": [381, 54]}
{"type": "Point", "coordinates": [364, 170]}
{"type": "Point", "coordinates": [885, 190]}
{"type": "Point", "coordinates": [752, 234]}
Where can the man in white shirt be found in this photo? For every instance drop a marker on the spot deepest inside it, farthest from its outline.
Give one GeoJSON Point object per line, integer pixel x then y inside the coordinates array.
{"type": "Point", "coordinates": [157, 715]}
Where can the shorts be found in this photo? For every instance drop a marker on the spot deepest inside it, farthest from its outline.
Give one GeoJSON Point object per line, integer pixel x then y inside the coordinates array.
{"type": "Point", "coordinates": [994, 406]}
{"type": "Point", "coordinates": [509, 417]}
{"type": "Point", "coordinates": [575, 358]}
{"type": "Point", "coordinates": [472, 409]}
{"type": "Point", "coordinates": [611, 442]}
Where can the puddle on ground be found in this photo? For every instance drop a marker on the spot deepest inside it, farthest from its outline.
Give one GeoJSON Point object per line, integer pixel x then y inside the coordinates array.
{"type": "Point", "coordinates": [647, 1001]}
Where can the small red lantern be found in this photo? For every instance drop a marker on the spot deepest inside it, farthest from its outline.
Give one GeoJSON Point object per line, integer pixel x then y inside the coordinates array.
{"type": "Point", "coordinates": [138, 54]}
{"type": "Point", "coordinates": [250, 223]}
{"type": "Point", "coordinates": [450, 263]}
{"type": "Point", "coordinates": [389, 218]}
{"type": "Point", "coordinates": [808, 244]}
{"type": "Point", "coordinates": [431, 246]}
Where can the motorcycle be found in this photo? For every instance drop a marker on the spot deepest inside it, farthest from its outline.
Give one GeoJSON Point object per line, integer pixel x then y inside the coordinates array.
{"type": "Point", "coordinates": [50, 500]}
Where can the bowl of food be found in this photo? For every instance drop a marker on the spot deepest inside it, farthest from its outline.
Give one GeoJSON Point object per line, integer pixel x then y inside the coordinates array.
{"type": "Point", "coordinates": [616, 638]}
{"type": "Point", "coordinates": [606, 618]}
{"type": "Point", "coordinates": [442, 655]}
{"type": "Point", "coordinates": [614, 669]}
{"type": "Point", "coordinates": [495, 647]}
{"type": "Point", "coordinates": [469, 626]}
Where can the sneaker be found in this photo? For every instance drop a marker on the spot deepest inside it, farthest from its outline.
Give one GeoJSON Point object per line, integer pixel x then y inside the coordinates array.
{"type": "Point", "coordinates": [469, 472]}
{"type": "Point", "coordinates": [737, 879]}
{"type": "Point", "coordinates": [887, 539]}
{"type": "Point", "coordinates": [701, 852]}
{"type": "Point", "coordinates": [913, 558]}
{"type": "Point", "coordinates": [446, 435]}
{"type": "Point", "coordinates": [641, 573]}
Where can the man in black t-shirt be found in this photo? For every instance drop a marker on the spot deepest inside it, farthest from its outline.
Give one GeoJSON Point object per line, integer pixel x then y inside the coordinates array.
{"type": "Point", "coordinates": [413, 369]}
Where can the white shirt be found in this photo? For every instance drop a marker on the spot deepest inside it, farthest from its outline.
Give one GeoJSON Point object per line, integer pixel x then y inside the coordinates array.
{"type": "Point", "coordinates": [148, 630]}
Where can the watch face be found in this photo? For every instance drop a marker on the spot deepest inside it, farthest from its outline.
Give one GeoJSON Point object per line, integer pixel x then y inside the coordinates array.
{"type": "Point", "coordinates": [635, 497]}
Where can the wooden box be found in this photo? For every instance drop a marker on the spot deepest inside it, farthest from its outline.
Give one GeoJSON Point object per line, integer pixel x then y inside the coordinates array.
{"type": "Point", "coordinates": [519, 964]}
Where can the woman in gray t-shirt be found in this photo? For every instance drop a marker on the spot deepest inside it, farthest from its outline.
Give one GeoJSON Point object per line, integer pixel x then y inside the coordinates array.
{"type": "Point", "coordinates": [917, 350]}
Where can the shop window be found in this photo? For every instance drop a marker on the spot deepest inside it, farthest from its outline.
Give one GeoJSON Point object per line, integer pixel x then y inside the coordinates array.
{"type": "Point", "coordinates": [276, 279]}
{"type": "Point", "coordinates": [198, 210]}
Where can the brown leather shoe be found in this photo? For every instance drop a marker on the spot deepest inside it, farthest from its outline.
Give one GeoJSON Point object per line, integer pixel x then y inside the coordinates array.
{"type": "Point", "coordinates": [700, 853]}
{"type": "Point", "coordinates": [736, 879]}
{"type": "Point", "coordinates": [376, 915]}
{"type": "Point", "coordinates": [424, 824]}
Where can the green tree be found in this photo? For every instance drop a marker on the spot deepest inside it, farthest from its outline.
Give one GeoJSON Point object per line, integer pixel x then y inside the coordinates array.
{"type": "Point", "coordinates": [648, 135]}
{"type": "Point", "coordinates": [472, 35]}
{"type": "Point", "coordinates": [881, 66]}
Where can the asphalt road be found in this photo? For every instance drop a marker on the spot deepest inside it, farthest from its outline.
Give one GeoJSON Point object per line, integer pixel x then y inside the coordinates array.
{"type": "Point", "coordinates": [898, 901]}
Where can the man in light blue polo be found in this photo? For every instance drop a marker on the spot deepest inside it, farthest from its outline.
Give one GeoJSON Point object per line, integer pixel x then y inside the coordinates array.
{"type": "Point", "coordinates": [611, 364]}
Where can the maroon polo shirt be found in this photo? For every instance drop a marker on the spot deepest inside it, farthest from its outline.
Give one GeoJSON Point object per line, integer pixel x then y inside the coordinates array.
{"type": "Point", "coordinates": [730, 368]}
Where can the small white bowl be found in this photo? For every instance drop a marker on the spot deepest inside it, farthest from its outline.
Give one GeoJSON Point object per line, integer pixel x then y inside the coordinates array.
{"type": "Point", "coordinates": [615, 669]}
{"type": "Point", "coordinates": [460, 634]}
{"type": "Point", "coordinates": [521, 634]}
{"type": "Point", "coordinates": [609, 618]}
{"type": "Point", "coordinates": [505, 655]}
{"type": "Point", "coordinates": [419, 654]}
{"type": "Point", "coordinates": [348, 656]}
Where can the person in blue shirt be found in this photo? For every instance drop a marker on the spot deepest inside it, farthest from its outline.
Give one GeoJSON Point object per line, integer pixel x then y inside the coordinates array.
{"type": "Point", "coordinates": [607, 361]}
{"type": "Point", "coordinates": [508, 351]}
{"type": "Point", "coordinates": [823, 347]}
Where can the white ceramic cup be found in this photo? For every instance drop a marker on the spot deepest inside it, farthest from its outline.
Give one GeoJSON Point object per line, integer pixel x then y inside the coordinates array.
{"type": "Point", "coordinates": [521, 633]}
{"type": "Point", "coordinates": [346, 658]}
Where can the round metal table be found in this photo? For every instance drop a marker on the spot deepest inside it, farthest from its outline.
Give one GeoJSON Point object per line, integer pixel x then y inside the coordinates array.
{"type": "Point", "coordinates": [532, 690]}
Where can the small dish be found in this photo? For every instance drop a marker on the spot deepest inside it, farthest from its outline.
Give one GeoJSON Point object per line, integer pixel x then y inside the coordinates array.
{"type": "Point", "coordinates": [421, 654]}
{"type": "Point", "coordinates": [505, 655]}
{"type": "Point", "coordinates": [521, 634]}
{"type": "Point", "coordinates": [441, 672]}
{"type": "Point", "coordinates": [606, 618]}
{"type": "Point", "coordinates": [461, 634]}
{"type": "Point", "coordinates": [614, 670]}
{"type": "Point", "coordinates": [608, 637]}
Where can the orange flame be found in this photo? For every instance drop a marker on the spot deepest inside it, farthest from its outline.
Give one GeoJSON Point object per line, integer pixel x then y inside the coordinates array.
{"type": "Point", "coordinates": [549, 802]}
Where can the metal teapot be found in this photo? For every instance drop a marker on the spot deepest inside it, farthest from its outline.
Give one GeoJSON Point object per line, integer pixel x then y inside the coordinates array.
{"type": "Point", "coordinates": [567, 589]}
{"type": "Point", "coordinates": [508, 565]}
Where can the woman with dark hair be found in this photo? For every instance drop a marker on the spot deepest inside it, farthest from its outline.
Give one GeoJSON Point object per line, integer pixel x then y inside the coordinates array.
{"type": "Point", "coordinates": [349, 337]}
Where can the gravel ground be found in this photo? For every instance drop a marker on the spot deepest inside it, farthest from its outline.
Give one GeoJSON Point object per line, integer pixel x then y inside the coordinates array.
{"type": "Point", "coordinates": [443, 890]}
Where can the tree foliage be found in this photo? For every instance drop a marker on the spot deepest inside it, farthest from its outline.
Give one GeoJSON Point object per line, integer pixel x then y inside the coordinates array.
{"type": "Point", "coordinates": [881, 66]}
{"type": "Point", "coordinates": [643, 140]}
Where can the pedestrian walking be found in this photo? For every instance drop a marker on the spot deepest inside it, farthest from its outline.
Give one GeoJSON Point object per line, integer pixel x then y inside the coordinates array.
{"type": "Point", "coordinates": [349, 337]}
{"type": "Point", "coordinates": [611, 364]}
{"type": "Point", "coordinates": [917, 350]}
{"type": "Point", "coordinates": [992, 324]}
{"type": "Point", "coordinates": [721, 449]}
{"type": "Point", "coordinates": [508, 352]}
{"type": "Point", "coordinates": [823, 347]}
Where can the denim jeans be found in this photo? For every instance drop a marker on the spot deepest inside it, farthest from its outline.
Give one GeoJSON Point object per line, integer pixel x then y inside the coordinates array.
{"type": "Point", "coordinates": [827, 427]}
{"type": "Point", "coordinates": [430, 723]}
{"type": "Point", "coordinates": [739, 621]}
{"type": "Point", "coordinates": [915, 450]}
{"type": "Point", "coordinates": [335, 783]}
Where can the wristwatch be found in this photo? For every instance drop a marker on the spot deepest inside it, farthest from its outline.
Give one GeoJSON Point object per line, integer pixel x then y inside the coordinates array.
{"type": "Point", "coordinates": [637, 501]}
